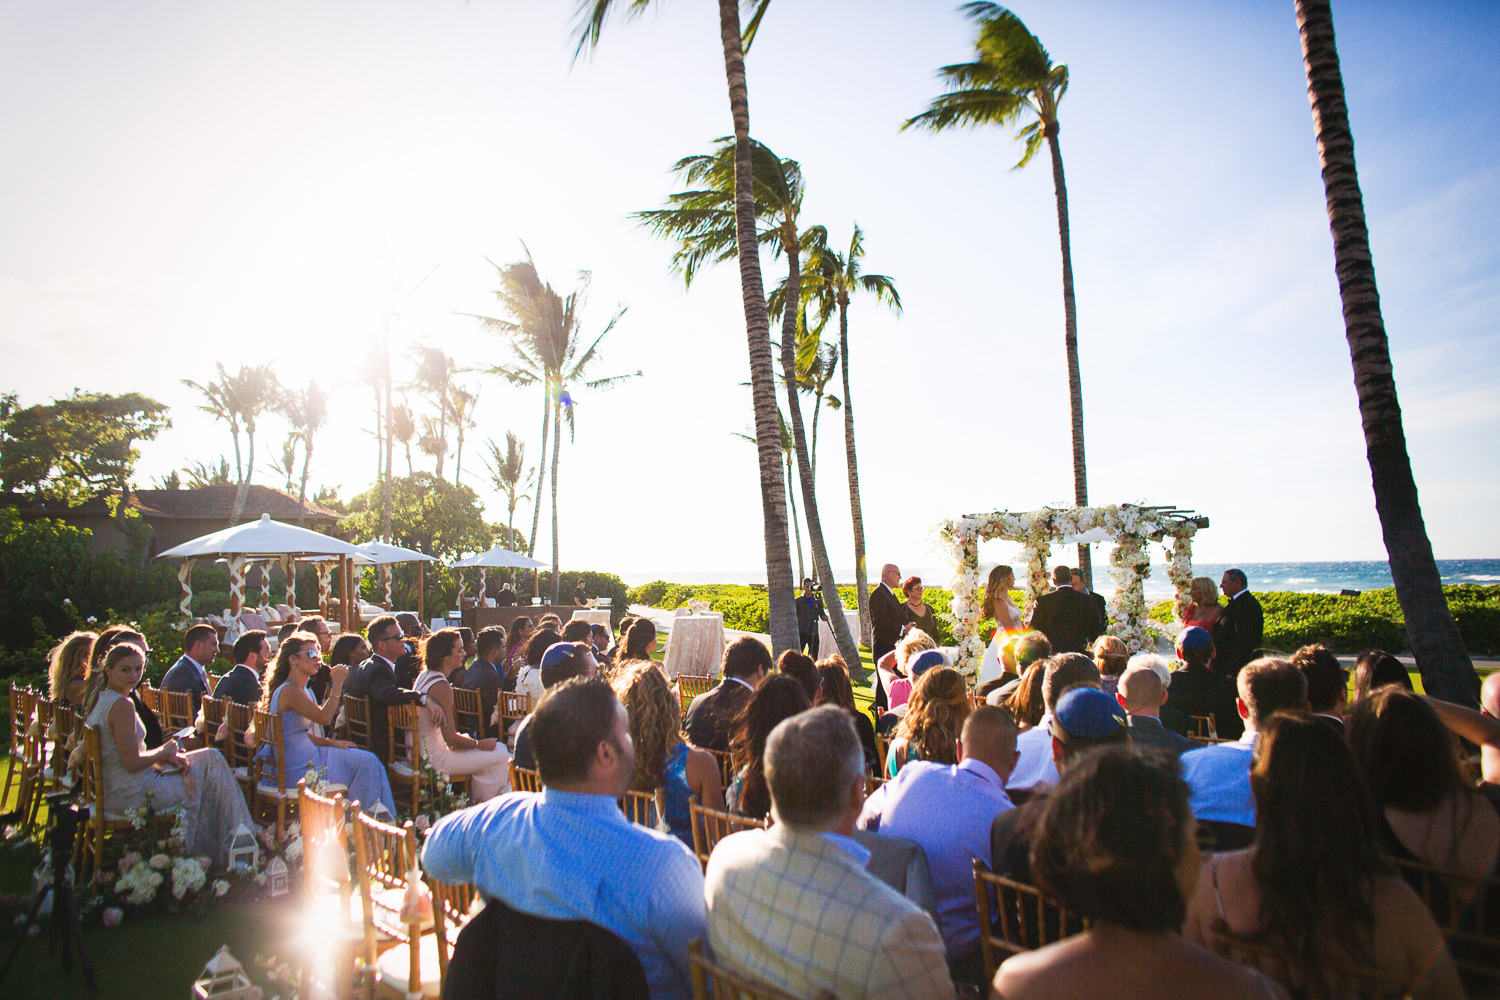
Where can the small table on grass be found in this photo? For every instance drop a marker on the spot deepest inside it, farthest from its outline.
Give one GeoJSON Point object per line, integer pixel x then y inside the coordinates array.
{"type": "Point", "coordinates": [827, 644]}
{"type": "Point", "coordinates": [594, 616]}
{"type": "Point", "coordinates": [696, 645]}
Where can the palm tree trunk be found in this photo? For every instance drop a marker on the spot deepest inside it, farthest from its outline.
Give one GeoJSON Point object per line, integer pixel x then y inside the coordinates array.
{"type": "Point", "coordinates": [307, 447]}
{"type": "Point", "coordinates": [536, 508]}
{"type": "Point", "coordinates": [239, 468]}
{"type": "Point", "coordinates": [379, 438]}
{"type": "Point", "coordinates": [812, 448]}
{"type": "Point", "coordinates": [1447, 671]}
{"type": "Point", "coordinates": [556, 449]}
{"type": "Point", "coordinates": [243, 492]}
{"type": "Point", "coordinates": [848, 648]}
{"type": "Point", "coordinates": [791, 499]}
{"type": "Point", "coordinates": [856, 513]}
{"type": "Point", "coordinates": [1070, 340]}
{"type": "Point", "coordinates": [442, 446]}
{"type": "Point", "coordinates": [779, 587]}
{"type": "Point", "coordinates": [390, 439]}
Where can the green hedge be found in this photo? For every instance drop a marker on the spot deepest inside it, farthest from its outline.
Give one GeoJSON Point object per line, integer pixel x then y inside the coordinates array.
{"type": "Point", "coordinates": [1373, 620]}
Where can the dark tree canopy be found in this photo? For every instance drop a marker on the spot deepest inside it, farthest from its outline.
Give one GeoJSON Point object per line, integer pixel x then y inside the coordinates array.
{"type": "Point", "coordinates": [428, 514]}
{"type": "Point", "coordinates": [72, 448]}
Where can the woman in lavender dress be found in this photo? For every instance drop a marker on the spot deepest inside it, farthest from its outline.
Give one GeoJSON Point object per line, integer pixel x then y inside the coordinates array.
{"type": "Point", "coordinates": [341, 762]}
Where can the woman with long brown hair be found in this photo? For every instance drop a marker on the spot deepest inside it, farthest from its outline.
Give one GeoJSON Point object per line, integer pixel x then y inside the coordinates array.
{"type": "Point", "coordinates": [778, 697]}
{"type": "Point", "coordinates": [68, 668]}
{"type": "Point", "coordinates": [486, 761]}
{"type": "Point", "coordinates": [285, 692]}
{"type": "Point", "coordinates": [834, 689]}
{"type": "Point", "coordinates": [935, 717]}
{"type": "Point", "coordinates": [663, 759]}
{"type": "Point", "coordinates": [1314, 884]}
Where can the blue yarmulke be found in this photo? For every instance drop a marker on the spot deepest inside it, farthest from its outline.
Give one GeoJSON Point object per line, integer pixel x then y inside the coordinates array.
{"type": "Point", "coordinates": [1087, 714]}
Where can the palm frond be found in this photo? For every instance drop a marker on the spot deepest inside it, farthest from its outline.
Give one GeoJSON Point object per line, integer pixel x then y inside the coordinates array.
{"type": "Point", "coordinates": [747, 35]}
{"type": "Point", "coordinates": [591, 16]}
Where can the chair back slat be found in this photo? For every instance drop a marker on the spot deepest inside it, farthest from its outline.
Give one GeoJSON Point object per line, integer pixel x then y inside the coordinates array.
{"type": "Point", "coordinates": [1341, 979]}
{"type": "Point", "coordinates": [357, 720]}
{"type": "Point", "coordinates": [268, 733]}
{"type": "Point", "coordinates": [882, 749]}
{"type": "Point", "coordinates": [403, 750]}
{"type": "Point", "coordinates": [642, 808]}
{"type": "Point", "coordinates": [383, 855]}
{"type": "Point", "coordinates": [522, 780]}
{"type": "Point", "coordinates": [176, 711]}
{"type": "Point", "coordinates": [468, 712]}
{"type": "Point", "coordinates": [1016, 917]}
{"type": "Point", "coordinates": [726, 767]}
{"type": "Point", "coordinates": [712, 981]}
{"type": "Point", "coordinates": [712, 825]}
{"type": "Point", "coordinates": [514, 706]}
{"type": "Point", "coordinates": [690, 686]}
{"type": "Point", "coordinates": [1467, 909]}
{"type": "Point", "coordinates": [240, 752]}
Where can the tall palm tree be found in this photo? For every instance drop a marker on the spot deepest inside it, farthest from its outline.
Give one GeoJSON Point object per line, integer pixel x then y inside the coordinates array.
{"type": "Point", "coordinates": [433, 377]}
{"type": "Point", "coordinates": [372, 374]}
{"type": "Point", "coordinates": [545, 340]}
{"type": "Point", "coordinates": [219, 401]}
{"type": "Point", "coordinates": [1012, 79]}
{"type": "Point", "coordinates": [286, 465]}
{"type": "Point", "coordinates": [509, 476]}
{"type": "Point", "coordinates": [832, 278]}
{"type": "Point", "coordinates": [592, 15]}
{"type": "Point", "coordinates": [306, 409]}
{"type": "Point", "coordinates": [253, 390]}
{"type": "Point", "coordinates": [700, 221]}
{"type": "Point", "coordinates": [817, 363]}
{"type": "Point", "coordinates": [462, 402]}
{"type": "Point", "coordinates": [1447, 671]}
{"type": "Point", "coordinates": [404, 429]}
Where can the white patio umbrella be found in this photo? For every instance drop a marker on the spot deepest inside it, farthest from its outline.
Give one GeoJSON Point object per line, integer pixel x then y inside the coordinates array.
{"type": "Point", "coordinates": [386, 554]}
{"type": "Point", "coordinates": [253, 539]}
{"type": "Point", "coordinates": [499, 556]}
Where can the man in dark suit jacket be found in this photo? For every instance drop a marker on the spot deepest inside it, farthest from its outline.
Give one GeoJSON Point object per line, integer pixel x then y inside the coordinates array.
{"type": "Point", "coordinates": [507, 596]}
{"type": "Point", "coordinates": [746, 663]}
{"type": "Point", "coordinates": [1067, 618]}
{"type": "Point", "coordinates": [483, 674]}
{"type": "Point", "coordinates": [1240, 630]}
{"type": "Point", "coordinates": [252, 654]}
{"type": "Point", "coordinates": [1081, 585]}
{"type": "Point", "coordinates": [375, 679]}
{"type": "Point", "coordinates": [200, 644]}
{"type": "Point", "coordinates": [886, 621]}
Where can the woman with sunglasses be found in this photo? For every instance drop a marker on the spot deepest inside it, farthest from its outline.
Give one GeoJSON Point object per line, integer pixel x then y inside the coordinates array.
{"type": "Point", "coordinates": [342, 763]}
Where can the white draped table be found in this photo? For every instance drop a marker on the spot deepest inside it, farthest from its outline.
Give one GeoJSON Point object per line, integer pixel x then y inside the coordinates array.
{"type": "Point", "coordinates": [827, 644]}
{"type": "Point", "coordinates": [695, 646]}
{"type": "Point", "coordinates": [594, 616]}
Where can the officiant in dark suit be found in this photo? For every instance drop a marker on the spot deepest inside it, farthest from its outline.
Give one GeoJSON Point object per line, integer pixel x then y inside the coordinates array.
{"type": "Point", "coordinates": [1081, 585]}
{"type": "Point", "coordinates": [886, 619]}
{"type": "Point", "coordinates": [1240, 630]}
{"type": "Point", "coordinates": [1067, 618]}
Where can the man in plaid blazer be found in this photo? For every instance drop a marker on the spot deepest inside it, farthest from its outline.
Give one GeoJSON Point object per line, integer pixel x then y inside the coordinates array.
{"type": "Point", "coordinates": [793, 906]}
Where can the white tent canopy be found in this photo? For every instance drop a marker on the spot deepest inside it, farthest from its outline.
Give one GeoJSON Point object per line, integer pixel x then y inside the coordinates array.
{"type": "Point", "coordinates": [503, 557]}
{"type": "Point", "coordinates": [384, 553]}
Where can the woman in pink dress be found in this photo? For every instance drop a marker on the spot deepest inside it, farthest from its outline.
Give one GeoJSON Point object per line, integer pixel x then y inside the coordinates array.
{"type": "Point", "coordinates": [1203, 608]}
{"type": "Point", "coordinates": [487, 761]}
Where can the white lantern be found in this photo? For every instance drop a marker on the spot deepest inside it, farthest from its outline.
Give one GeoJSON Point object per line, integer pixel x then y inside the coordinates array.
{"type": "Point", "coordinates": [278, 880]}
{"type": "Point", "coordinates": [223, 978]}
{"type": "Point", "coordinates": [241, 848]}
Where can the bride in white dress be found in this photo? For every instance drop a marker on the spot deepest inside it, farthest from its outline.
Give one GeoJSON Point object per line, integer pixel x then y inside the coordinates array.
{"type": "Point", "coordinates": [998, 605]}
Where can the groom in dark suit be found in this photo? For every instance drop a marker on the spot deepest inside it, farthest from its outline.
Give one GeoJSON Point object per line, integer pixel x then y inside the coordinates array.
{"type": "Point", "coordinates": [200, 644]}
{"type": "Point", "coordinates": [886, 619]}
{"type": "Point", "coordinates": [252, 653]}
{"type": "Point", "coordinates": [1240, 630]}
{"type": "Point", "coordinates": [1067, 618]}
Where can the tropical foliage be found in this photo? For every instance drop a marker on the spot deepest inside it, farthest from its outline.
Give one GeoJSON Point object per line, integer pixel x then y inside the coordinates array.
{"type": "Point", "coordinates": [72, 448]}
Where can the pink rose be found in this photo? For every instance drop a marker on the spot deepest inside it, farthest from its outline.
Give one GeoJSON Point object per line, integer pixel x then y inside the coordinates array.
{"type": "Point", "coordinates": [421, 822]}
{"type": "Point", "coordinates": [112, 916]}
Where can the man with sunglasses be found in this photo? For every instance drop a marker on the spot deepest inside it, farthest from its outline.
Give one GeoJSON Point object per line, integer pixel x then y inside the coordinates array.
{"type": "Point", "coordinates": [375, 679]}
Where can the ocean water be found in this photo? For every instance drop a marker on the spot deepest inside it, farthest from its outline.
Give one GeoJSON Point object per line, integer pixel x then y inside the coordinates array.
{"type": "Point", "coordinates": [1304, 577]}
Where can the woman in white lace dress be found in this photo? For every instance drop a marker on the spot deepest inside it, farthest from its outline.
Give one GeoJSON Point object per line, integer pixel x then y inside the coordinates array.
{"type": "Point", "coordinates": [487, 761]}
{"type": "Point", "coordinates": [165, 778]}
{"type": "Point", "coordinates": [998, 606]}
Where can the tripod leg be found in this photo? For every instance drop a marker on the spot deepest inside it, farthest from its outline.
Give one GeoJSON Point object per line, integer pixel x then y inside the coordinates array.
{"type": "Point", "coordinates": [21, 941]}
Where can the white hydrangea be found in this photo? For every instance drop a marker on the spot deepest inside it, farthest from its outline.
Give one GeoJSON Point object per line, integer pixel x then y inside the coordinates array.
{"type": "Point", "coordinates": [187, 876]}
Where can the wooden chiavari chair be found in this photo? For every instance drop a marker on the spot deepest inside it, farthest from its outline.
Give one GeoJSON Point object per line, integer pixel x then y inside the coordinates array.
{"type": "Point", "coordinates": [384, 856]}
{"type": "Point", "coordinates": [712, 981]}
{"type": "Point", "coordinates": [712, 825]}
{"type": "Point", "coordinates": [1015, 917]}
{"type": "Point", "coordinates": [273, 789]}
{"type": "Point", "coordinates": [522, 780]}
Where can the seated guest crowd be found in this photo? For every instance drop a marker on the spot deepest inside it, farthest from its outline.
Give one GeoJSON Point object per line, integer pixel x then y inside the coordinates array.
{"type": "Point", "coordinates": [1194, 839]}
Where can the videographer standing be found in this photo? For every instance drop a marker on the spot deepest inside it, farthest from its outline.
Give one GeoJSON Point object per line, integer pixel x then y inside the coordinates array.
{"type": "Point", "coordinates": [810, 611]}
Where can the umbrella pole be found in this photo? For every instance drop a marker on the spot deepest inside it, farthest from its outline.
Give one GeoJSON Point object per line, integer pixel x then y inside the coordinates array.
{"type": "Point", "coordinates": [421, 587]}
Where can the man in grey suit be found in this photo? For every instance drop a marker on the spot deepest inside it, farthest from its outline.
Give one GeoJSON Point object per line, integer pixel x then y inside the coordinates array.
{"type": "Point", "coordinates": [252, 653]}
{"type": "Point", "coordinates": [200, 644]}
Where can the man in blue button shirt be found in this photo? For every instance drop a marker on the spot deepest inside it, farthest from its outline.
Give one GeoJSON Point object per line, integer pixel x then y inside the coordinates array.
{"type": "Point", "coordinates": [948, 809]}
{"type": "Point", "coordinates": [569, 853]}
{"type": "Point", "coordinates": [1219, 775]}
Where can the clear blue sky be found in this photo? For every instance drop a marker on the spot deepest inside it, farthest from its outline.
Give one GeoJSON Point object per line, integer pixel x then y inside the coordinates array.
{"type": "Point", "coordinates": [240, 181]}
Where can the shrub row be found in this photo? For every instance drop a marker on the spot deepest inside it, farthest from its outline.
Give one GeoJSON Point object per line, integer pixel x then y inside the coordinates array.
{"type": "Point", "coordinates": [1373, 620]}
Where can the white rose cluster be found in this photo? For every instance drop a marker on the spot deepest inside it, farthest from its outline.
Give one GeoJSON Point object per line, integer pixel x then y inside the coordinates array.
{"type": "Point", "coordinates": [187, 876]}
{"type": "Point", "coordinates": [139, 884]}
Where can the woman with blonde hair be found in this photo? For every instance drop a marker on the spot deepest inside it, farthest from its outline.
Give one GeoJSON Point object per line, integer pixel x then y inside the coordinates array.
{"type": "Point", "coordinates": [166, 778]}
{"type": "Point", "coordinates": [998, 606]}
{"type": "Point", "coordinates": [1111, 657]}
{"type": "Point", "coordinates": [486, 761]}
{"type": "Point", "coordinates": [68, 668]}
{"type": "Point", "coordinates": [939, 705]}
{"type": "Point", "coordinates": [1202, 607]}
{"type": "Point", "coordinates": [663, 760]}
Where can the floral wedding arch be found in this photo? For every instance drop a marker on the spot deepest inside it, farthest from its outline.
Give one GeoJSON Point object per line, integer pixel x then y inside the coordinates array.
{"type": "Point", "coordinates": [1132, 528]}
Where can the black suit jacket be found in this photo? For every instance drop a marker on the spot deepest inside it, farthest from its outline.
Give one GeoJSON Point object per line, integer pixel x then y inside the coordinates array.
{"type": "Point", "coordinates": [1238, 634]}
{"type": "Point", "coordinates": [374, 679]}
{"type": "Point", "coordinates": [484, 677]}
{"type": "Point", "coordinates": [886, 620]}
{"type": "Point", "coordinates": [711, 714]}
{"type": "Point", "coordinates": [1067, 618]}
{"type": "Point", "coordinates": [240, 685]}
{"type": "Point", "coordinates": [1100, 610]}
{"type": "Point", "coordinates": [184, 676]}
